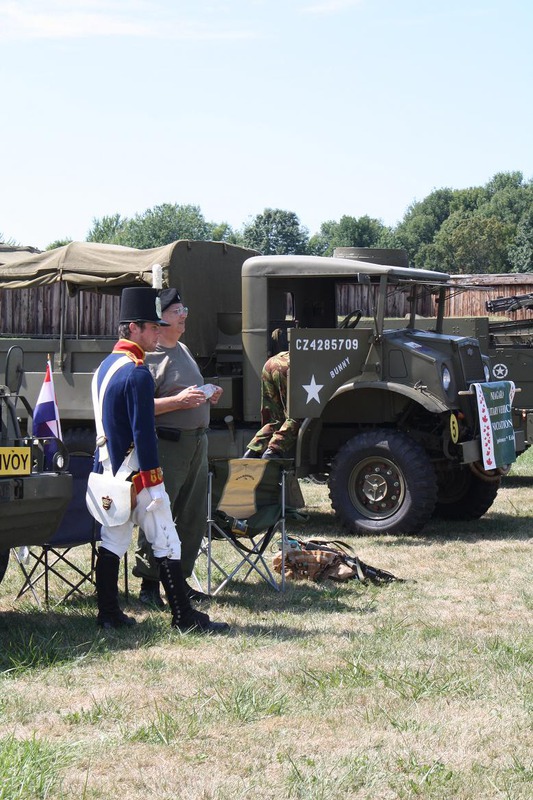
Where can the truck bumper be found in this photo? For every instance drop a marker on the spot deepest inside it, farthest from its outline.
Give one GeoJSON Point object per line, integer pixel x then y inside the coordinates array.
{"type": "Point", "coordinates": [520, 441]}
{"type": "Point", "coordinates": [471, 451]}
{"type": "Point", "coordinates": [31, 508]}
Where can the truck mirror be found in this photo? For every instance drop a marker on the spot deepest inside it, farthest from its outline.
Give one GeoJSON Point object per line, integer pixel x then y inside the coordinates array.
{"type": "Point", "coordinates": [14, 368]}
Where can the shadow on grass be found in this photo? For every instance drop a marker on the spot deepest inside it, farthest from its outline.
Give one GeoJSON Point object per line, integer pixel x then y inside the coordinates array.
{"type": "Point", "coordinates": [37, 639]}
{"type": "Point", "coordinates": [517, 481]}
{"type": "Point", "coordinates": [281, 632]}
{"type": "Point", "coordinates": [306, 600]}
{"type": "Point", "coordinates": [300, 597]}
{"type": "Point", "coordinates": [40, 640]}
{"type": "Point", "coordinates": [493, 527]}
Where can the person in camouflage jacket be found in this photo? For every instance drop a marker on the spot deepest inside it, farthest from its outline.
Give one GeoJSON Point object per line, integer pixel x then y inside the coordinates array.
{"type": "Point", "coordinates": [278, 433]}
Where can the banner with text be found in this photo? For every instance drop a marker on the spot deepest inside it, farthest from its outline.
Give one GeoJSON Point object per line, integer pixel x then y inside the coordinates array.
{"type": "Point", "coordinates": [494, 403]}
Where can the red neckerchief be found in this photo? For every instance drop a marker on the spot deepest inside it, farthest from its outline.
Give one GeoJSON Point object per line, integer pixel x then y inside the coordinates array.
{"type": "Point", "coordinates": [132, 350]}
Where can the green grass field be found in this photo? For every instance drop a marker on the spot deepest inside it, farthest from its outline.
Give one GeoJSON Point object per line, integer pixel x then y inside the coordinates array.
{"type": "Point", "coordinates": [419, 689]}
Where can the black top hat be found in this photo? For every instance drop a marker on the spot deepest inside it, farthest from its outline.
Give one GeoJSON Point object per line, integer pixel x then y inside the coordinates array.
{"type": "Point", "coordinates": [138, 304]}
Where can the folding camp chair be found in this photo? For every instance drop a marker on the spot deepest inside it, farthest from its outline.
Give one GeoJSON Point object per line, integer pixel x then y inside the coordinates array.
{"type": "Point", "coordinates": [57, 557]}
{"type": "Point", "coordinates": [246, 506]}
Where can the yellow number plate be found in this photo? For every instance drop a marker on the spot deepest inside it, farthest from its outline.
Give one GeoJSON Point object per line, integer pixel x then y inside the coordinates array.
{"type": "Point", "coordinates": [15, 460]}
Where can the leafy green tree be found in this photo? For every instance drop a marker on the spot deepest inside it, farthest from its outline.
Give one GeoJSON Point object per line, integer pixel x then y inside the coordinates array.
{"type": "Point", "coordinates": [421, 222]}
{"type": "Point", "coordinates": [521, 249]}
{"type": "Point", "coordinates": [348, 232]}
{"type": "Point", "coordinates": [470, 244]}
{"type": "Point", "coordinates": [358, 232]}
{"type": "Point", "coordinates": [469, 200]}
{"type": "Point", "coordinates": [165, 224]}
{"type": "Point", "coordinates": [276, 232]}
{"type": "Point", "coordinates": [322, 243]}
{"type": "Point", "coordinates": [223, 232]}
{"type": "Point", "coordinates": [108, 229]}
{"type": "Point", "coordinates": [435, 230]}
{"type": "Point", "coordinates": [510, 202]}
{"type": "Point", "coordinates": [57, 243]}
{"type": "Point", "coordinates": [502, 181]}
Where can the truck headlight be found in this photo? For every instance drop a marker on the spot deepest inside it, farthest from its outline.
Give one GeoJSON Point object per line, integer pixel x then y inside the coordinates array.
{"type": "Point", "coordinates": [446, 379]}
{"type": "Point", "coordinates": [58, 462]}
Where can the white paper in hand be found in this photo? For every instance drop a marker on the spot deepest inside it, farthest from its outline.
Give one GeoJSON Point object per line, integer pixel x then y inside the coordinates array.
{"type": "Point", "coordinates": [208, 389]}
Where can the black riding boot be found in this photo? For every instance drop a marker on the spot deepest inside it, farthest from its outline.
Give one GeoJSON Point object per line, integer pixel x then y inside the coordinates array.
{"type": "Point", "coordinates": [109, 613]}
{"type": "Point", "coordinates": [150, 594]}
{"type": "Point", "coordinates": [184, 617]}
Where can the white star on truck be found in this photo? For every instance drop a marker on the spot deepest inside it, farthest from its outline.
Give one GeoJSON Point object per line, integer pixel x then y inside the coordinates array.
{"type": "Point", "coordinates": [312, 389]}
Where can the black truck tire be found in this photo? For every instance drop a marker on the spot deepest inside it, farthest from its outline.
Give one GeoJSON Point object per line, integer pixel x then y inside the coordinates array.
{"type": "Point", "coordinates": [80, 441]}
{"type": "Point", "coordinates": [463, 495]}
{"type": "Point", "coordinates": [4, 559]}
{"type": "Point", "coordinates": [382, 481]}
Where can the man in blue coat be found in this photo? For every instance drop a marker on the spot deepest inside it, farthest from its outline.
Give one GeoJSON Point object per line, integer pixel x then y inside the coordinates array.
{"type": "Point", "coordinates": [123, 399]}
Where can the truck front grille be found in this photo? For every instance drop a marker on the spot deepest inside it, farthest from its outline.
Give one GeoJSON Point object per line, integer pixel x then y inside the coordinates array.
{"type": "Point", "coordinates": [471, 362]}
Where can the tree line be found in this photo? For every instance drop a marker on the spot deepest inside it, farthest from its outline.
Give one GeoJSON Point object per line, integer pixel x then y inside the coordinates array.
{"type": "Point", "coordinates": [486, 229]}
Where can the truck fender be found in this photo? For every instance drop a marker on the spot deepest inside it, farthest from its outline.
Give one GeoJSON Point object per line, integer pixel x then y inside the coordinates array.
{"type": "Point", "coordinates": [311, 427]}
{"type": "Point", "coordinates": [421, 396]}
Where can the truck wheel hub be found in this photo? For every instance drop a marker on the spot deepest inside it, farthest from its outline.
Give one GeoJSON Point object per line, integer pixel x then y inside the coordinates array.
{"type": "Point", "coordinates": [377, 488]}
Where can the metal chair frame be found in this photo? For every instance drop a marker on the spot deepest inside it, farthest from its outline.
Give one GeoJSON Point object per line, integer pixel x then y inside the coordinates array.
{"type": "Point", "coordinates": [49, 560]}
{"type": "Point", "coordinates": [77, 529]}
{"type": "Point", "coordinates": [250, 548]}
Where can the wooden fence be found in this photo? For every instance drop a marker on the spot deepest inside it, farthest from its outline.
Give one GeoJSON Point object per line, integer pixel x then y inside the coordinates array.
{"type": "Point", "coordinates": [37, 311]}
{"type": "Point", "coordinates": [471, 303]}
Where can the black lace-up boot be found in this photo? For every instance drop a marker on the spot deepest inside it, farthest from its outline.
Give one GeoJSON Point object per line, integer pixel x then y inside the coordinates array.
{"type": "Point", "coordinates": [184, 617]}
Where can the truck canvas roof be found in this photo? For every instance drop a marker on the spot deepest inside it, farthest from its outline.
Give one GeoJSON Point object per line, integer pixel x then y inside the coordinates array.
{"type": "Point", "coordinates": [83, 264]}
{"type": "Point", "coordinates": [108, 267]}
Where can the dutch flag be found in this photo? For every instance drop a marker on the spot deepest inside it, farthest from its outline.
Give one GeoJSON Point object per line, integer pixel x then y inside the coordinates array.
{"type": "Point", "coordinates": [46, 414]}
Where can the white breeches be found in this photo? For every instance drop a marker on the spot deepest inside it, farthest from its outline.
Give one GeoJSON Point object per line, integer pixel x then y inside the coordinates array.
{"type": "Point", "coordinates": [158, 526]}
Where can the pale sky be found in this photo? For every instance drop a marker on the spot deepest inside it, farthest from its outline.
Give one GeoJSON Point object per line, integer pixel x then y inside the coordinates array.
{"type": "Point", "coordinates": [320, 107]}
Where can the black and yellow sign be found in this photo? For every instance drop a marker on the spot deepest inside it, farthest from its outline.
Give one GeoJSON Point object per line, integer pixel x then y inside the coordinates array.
{"type": "Point", "coordinates": [15, 461]}
{"type": "Point", "coordinates": [454, 428]}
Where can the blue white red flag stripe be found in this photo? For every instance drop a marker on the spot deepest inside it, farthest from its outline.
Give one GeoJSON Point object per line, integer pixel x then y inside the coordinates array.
{"type": "Point", "coordinates": [46, 414]}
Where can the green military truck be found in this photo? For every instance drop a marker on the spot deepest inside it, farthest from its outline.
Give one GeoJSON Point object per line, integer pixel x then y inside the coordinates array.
{"type": "Point", "coordinates": [389, 416]}
{"type": "Point", "coordinates": [33, 498]}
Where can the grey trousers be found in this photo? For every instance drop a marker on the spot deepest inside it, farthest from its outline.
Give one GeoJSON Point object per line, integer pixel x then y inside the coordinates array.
{"type": "Point", "coordinates": [185, 470]}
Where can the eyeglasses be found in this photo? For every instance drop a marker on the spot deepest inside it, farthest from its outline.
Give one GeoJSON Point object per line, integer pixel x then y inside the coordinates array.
{"type": "Point", "coordinates": [182, 311]}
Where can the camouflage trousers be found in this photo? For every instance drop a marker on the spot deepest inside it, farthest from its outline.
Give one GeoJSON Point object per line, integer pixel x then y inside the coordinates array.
{"type": "Point", "coordinates": [278, 430]}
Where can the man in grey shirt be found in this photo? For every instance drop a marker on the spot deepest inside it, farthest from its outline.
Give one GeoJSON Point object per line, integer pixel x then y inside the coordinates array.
{"type": "Point", "coordinates": [182, 414]}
